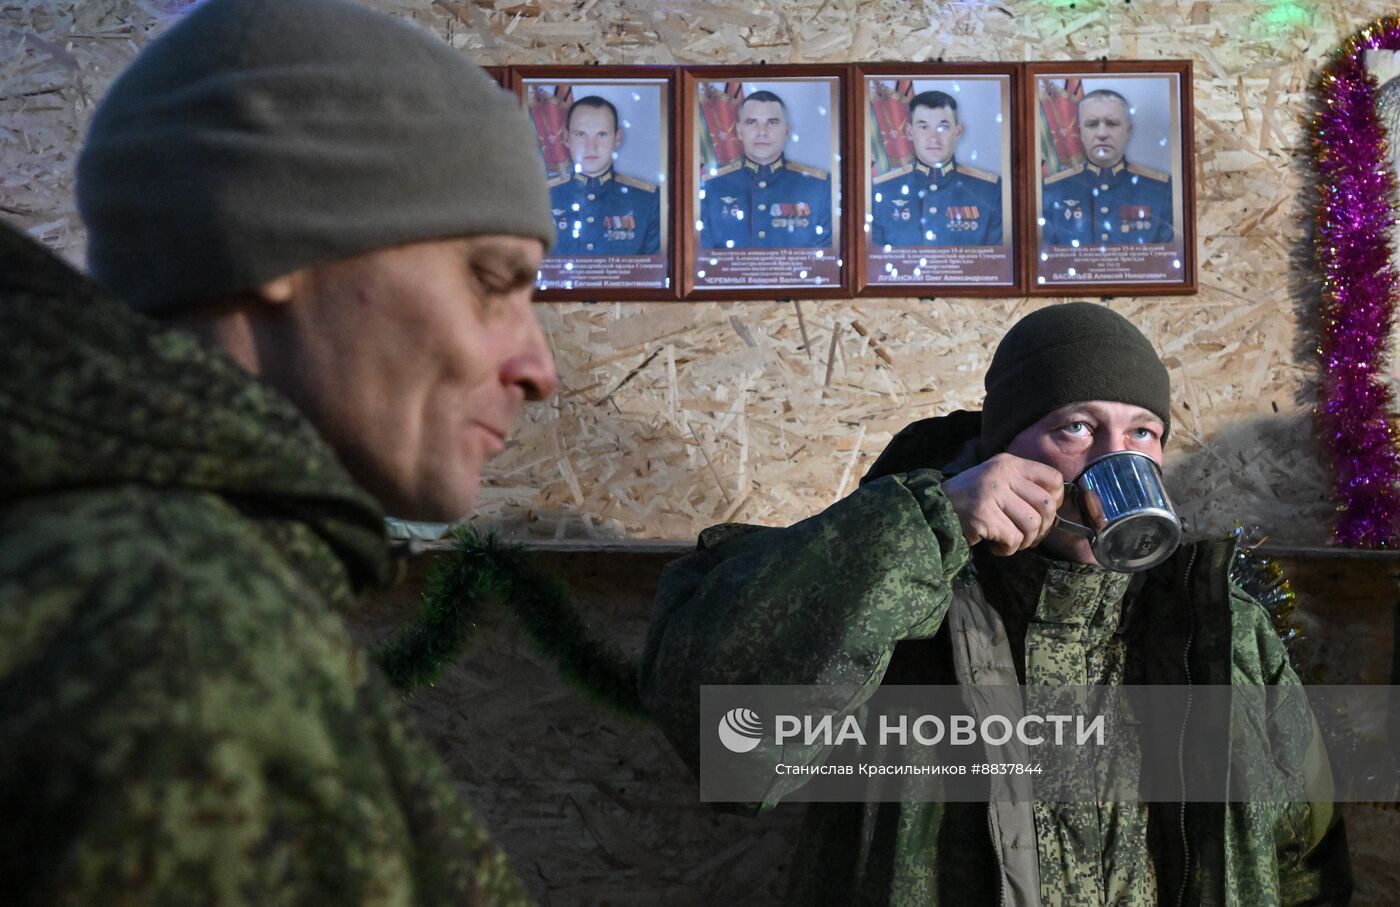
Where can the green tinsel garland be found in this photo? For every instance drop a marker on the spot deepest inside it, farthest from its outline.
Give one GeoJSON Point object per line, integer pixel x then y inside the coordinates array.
{"type": "Point", "coordinates": [485, 569]}
{"type": "Point", "coordinates": [1263, 579]}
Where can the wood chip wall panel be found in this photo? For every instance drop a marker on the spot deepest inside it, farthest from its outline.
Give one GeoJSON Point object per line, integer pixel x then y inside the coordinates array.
{"type": "Point", "coordinates": [672, 417]}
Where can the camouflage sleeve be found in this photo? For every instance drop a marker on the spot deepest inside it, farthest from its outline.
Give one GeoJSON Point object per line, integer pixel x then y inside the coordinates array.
{"type": "Point", "coordinates": [822, 602]}
{"type": "Point", "coordinates": [1303, 848]}
{"type": "Point", "coordinates": [188, 722]}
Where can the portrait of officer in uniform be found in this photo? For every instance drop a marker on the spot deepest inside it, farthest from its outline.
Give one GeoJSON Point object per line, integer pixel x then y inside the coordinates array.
{"type": "Point", "coordinates": [598, 211]}
{"type": "Point", "coordinates": [763, 200]}
{"type": "Point", "coordinates": [1107, 200]}
{"type": "Point", "coordinates": [937, 200]}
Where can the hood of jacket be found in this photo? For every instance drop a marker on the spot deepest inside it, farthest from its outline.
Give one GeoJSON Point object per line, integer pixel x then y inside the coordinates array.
{"type": "Point", "coordinates": [93, 394]}
{"type": "Point", "coordinates": [946, 443]}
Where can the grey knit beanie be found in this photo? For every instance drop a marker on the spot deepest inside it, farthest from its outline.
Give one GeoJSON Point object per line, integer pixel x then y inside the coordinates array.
{"type": "Point", "coordinates": [1069, 353]}
{"type": "Point", "coordinates": [258, 137]}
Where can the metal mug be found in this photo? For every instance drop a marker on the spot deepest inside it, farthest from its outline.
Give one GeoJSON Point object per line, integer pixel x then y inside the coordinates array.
{"type": "Point", "coordinates": [1131, 523]}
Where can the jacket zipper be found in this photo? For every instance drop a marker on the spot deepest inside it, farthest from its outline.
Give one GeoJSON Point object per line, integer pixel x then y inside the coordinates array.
{"type": "Point", "coordinates": [1186, 717]}
{"type": "Point", "coordinates": [996, 846]}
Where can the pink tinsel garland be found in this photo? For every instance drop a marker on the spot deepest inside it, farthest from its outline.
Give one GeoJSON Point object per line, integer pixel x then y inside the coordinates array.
{"type": "Point", "coordinates": [1354, 252]}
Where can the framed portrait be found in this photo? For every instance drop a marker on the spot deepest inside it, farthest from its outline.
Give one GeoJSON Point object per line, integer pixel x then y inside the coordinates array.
{"type": "Point", "coordinates": [765, 171]}
{"type": "Point", "coordinates": [604, 139]}
{"type": "Point", "coordinates": [1111, 192]}
{"type": "Point", "coordinates": [936, 198]}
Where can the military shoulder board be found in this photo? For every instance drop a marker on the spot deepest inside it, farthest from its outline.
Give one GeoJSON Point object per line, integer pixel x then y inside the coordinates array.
{"type": "Point", "coordinates": [1148, 172]}
{"type": "Point", "coordinates": [806, 171]}
{"type": "Point", "coordinates": [978, 173]}
{"type": "Point", "coordinates": [723, 171]}
{"type": "Point", "coordinates": [893, 175]}
{"type": "Point", "coordinates": [635, 183]}
{"type": "Point", "coordinates": [1064, 174]}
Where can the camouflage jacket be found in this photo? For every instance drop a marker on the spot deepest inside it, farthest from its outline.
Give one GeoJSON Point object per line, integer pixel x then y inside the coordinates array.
{"type": "Point", "coordinates": [858, 595]}
{"type": "Point", "coordinates": [184, 718]}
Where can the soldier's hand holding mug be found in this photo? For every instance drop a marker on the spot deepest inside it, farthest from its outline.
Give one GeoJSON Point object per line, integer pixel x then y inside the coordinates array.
{"type": "Point", "coordinates": [1007, 501]}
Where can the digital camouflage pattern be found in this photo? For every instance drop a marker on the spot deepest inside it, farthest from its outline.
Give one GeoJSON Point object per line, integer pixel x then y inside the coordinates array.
{"type": "Point", "coordinates": [1065, 622]}
{"type": "Point", "coordinates": [857, 596]}
{"type": "Point", "coordinates": [184, 718]}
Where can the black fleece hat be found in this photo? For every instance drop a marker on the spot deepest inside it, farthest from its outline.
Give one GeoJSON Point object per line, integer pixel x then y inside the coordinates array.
{"type": "Point", "coordinates": [1069, 353]}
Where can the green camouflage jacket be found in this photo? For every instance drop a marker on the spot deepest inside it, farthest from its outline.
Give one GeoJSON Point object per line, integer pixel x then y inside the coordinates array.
{"type": "Point", "coordinates": [184, 718]}
{"type": "Point", "coordinates": [859, 595]}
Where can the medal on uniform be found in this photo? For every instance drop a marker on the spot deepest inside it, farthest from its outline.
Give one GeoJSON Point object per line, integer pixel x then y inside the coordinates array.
{"type": "Point", "coordinates": [790, 214]}
{"type": "Point", "coordinates": [963, 217]}
{"type": "Point", "coordinates": [620, 226]}
{"type": "Point", "coordinates": [1140, 216]}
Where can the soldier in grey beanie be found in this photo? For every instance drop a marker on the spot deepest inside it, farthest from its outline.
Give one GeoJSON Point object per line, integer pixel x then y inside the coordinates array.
{"type": "Point", "coordinates": [322, 226]}
{"type": "Point", "coordinates": [348, 207]}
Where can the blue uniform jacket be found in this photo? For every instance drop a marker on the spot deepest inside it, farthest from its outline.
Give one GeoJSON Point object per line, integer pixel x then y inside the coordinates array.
{"type": "Point", "coordinates": [948, 204]}
{"type": "Point", "coordinates": [610, 214]}
{"type": "Point", "coordinates": [1126, 203]}
{"type": "Point", "coordinates": [782, 205]}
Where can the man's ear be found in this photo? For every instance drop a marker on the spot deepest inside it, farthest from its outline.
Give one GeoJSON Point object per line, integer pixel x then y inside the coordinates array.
{"type": "Point", "coordinates": [278, 290]}
{"type": "Point", "coordinates": [618, 143]}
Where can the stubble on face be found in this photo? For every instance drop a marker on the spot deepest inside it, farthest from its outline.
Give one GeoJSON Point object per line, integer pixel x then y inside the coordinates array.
{"type": "Point", "coordinates": [415, 361]}
{"type": "Point", "coordinates": [1072, 437]}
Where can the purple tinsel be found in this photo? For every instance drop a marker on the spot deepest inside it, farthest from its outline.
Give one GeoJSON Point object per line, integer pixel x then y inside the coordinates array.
{"type": "Point", "coordinates": [1354, 251]}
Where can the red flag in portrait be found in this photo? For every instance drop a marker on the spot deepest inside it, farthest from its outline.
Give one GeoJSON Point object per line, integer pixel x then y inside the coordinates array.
{"type": "Point", "coordinates": [890, 144]}
{"type": "Point", "coordinates": [719, 104]}
{"type": "Point", "coordinates": [549, 108]}
{"type": "Point", "coordinates": [1060, 147]}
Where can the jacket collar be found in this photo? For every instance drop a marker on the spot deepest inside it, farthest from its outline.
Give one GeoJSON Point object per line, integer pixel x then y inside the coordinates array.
{"type": "Point", "coordinates": [1110, 171]}
{"type": "Point", "coordinates": [1051, 591]}
{"type": "Point", "coordinates": [95, 394]}
{"type": "Point", "coordinates": [765, 169]}
{"type": "Point", "coordinates": [594, 182]}
{"type": "Point", "coordinates": [936, 169]}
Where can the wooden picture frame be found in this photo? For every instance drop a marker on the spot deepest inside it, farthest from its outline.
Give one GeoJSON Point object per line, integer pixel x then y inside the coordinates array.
{"type": "Point", "coordinates": [611, 184]}
{"type": "Point", "coordinates": [936, 194]}
{"type": "Point", "coordinates": [1109, 201]}
{"type": "Point", "coordinates": [761, 186]}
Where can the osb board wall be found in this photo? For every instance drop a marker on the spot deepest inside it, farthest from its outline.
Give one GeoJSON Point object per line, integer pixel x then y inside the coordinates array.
{"type": "Point", "coordinates": [672, 417]}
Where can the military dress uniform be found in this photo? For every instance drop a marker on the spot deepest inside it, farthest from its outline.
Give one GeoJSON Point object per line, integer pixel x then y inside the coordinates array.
{"type": "Point", "coordinates": [609, 214]}
{"type": "Point", "coordinates": [948, 204]}
{"type": "Point", "coordinates": [782, 205]}
{"type": "Point", "coordinates": [1125, 203]}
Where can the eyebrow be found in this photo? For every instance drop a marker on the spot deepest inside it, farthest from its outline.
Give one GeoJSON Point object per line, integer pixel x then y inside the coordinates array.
{"type": "Point", "coordinates": [1085, 408]}
{"type": "Point", "coordinates": [519, 265]}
